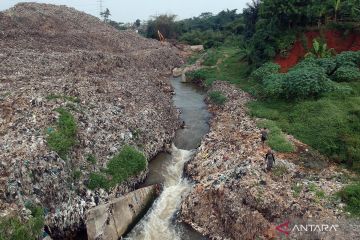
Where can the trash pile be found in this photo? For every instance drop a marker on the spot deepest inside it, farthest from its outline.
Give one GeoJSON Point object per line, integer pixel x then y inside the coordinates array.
{"type": "Point", "coordinates": [113, 83]}
{"type": "Point", "coordinates": [234, 197]}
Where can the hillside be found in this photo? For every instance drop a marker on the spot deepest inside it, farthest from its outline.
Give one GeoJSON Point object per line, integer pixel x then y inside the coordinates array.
{"type": "Point", "coordinates": [60, 68]}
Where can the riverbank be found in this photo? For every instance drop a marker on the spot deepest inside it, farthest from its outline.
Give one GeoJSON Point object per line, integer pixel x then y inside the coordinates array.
{"type": "Point", "coordinates": [234, 198]}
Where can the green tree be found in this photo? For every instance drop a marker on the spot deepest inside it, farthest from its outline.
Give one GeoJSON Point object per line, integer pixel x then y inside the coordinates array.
{"type": "Point", "coordinates": [164, 23]}
{"type": "Point", "coordinates": [105, 14]}
{"type": "Point", "coordinates": [137, 23]}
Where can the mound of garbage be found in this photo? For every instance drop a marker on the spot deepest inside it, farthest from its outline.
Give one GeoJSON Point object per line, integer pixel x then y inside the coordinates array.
{"type": "Point", "coordinates": [235, 197]}
{"type": "Point", "coordinates": [114, 85]}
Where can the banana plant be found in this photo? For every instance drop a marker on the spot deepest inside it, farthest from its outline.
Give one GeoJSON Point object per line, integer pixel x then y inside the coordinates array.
{"type": "Point", "coordinates": [320, 50]}
{"type": "Point", "coordinates": [337, 4]}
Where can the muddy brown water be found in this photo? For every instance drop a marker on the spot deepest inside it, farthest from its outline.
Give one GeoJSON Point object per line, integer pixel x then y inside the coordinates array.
{"type": "Point", "coordinates": [160, 222]}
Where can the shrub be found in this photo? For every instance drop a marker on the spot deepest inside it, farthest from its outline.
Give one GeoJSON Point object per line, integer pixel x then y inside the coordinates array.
{"type": "Point", "coordinates": [347, 74]}
{"type": "Point", "coordinates": [217, 97]}
{"type": "Point", "coordinates": [64, 137]}
{"type": "Point", "coordinates": [351, 196]}
{"type": "Point", "coordinates": [328, 64]}
{"type": "Point", "coordinates": [274, 85]}
{"type": "Point", "coordinates": [302, 83]}
{"type": "Point", "coordinates": [350, 58]}
{"type": "Point", "coordinates": [196, 76]}
{"type": "Point", "coordinates": [13, 229]}
{"type": "Point", "coordinates": [264, 71]}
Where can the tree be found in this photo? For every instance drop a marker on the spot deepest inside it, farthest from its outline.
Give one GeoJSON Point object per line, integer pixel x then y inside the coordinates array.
{"type": "Point", "coordinates": [137, 23]}
{"type": "Point", "coordinates": [251, 14]}
{"type": "Point", "coordinates": [105, 14]}
{"type": "Point", "coordinates": [165, 24]}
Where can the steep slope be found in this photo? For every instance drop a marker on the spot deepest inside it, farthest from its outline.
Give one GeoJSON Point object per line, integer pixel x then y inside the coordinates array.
{"type": "Point", "coordinates": [235, 198]}
{"type": "Point", "coordinates": [111, 82]}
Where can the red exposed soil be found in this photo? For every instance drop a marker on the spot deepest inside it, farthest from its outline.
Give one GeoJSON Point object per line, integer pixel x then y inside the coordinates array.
{"type": "Point", "coordinates": [334, 39]}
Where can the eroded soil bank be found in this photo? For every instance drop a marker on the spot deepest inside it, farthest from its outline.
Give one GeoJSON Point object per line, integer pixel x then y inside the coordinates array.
{"type": "Point", "coordinates": [234, 198]}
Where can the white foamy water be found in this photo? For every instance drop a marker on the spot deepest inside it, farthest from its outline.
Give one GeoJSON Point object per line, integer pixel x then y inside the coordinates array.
{"type": "Point", "coordinates": [157, 224]}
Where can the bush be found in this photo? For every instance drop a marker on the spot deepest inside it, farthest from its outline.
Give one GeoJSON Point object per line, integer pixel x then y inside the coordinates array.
{"type": "Point", "coordinates": [328, 64]}
{"type": "Point", "coordinates": [64, 137]}
{"type": "Point", "coordinates": [350, 58]}
{"type": "Point", "coordinates": [265, 71]}
{"type": "Point", "coordinates": [127, 163]}
{"type": "Point", "coordinates": [11, 228]}
{"type": "Point", "coordinates": [347, 74]}
{"type": "Point", "coordinates": [196, 76]}
{"type": "Point", "coordinates": [274, 85]}
{"type": "Point", "coordinates": [351, 196]}
{"type": "Point", "coordinates": [302, 83]}
{"type": "Point", "coordinates": [217, 98]}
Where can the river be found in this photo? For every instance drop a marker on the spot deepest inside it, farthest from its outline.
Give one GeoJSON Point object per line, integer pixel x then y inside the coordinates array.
{"type": "Point", "coordinates": [167, 169]}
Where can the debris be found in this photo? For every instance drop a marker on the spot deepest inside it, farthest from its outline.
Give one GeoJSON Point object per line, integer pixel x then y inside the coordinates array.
{"type": "Point", "coordinates": [112, 82]}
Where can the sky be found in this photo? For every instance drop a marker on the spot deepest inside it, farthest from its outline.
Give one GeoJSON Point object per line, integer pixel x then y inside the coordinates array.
{"type": "Point", "coordinates": [130, 10]}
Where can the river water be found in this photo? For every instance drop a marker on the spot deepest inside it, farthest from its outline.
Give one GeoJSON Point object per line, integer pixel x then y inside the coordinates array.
{"type": "Point", "coordinates": [167, 169]}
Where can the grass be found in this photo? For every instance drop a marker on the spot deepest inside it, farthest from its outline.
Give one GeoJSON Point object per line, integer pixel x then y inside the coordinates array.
{"type": "Point", "coordinates": [129, 162]}
{"type": "Point", "coordinates": [351, 196]}
{"type": "Point", "coordinates": [11, 228]}
{"type": "Point", "coordinates": [276, 139]}
{"type": "Point", "coordinates": [230, 68]}
{"type": "Point", "coordinates": [63, 138]}
{"type": "Point", "coordinates": [193, 58]}
{"type": "Point", "coordinates": [91, 159]}
{"type": "Point", "coordinates": [217, 97]}
{"type": "Point", "coordinates": [279, 170]}
{"type": "Point", "coordinates": [330, 125]}
{"type": "Point", "coordinates": [297, 188]}
{"type": "Point", "coordinates": [212, 57]}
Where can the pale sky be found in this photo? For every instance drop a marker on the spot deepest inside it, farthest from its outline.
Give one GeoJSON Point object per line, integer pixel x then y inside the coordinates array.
{"type": "Point", "coordinates": [130, 10]}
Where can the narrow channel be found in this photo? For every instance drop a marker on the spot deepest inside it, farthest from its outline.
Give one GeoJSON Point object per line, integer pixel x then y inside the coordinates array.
{"type": "Point", "coordinates": [167, 169]}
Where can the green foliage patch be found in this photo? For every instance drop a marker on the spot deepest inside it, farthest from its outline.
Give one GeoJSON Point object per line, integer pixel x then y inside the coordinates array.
{"type": "Point", "coordinates": [265, 71]}
{"type": "Point", "coordinates": [11, 228]}
{"type": "Point", "coordinates": [277, 140]}
{"type": "Point", "coordinates": [63, 138]}
{"type": "Point", "coordinates": [217, 98]}
{"type": "Point", "coordinates": [125, 164]}
{"type": "Point", "coordinates": [351, 196]}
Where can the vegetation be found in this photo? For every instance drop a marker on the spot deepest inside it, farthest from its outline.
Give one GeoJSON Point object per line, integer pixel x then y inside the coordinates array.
{"type": "Point", "coordinates": [297, 188]}
{"type": "Point", "coordinates": [63, 138]}
{"type": "Point", "coordinates": [125, 164]}
{"type": "Point", "coordinates": [351, 196]}
{"type": "Point", "coordinates": [277, 140]}
{"type": "Point", "coordinates": [217, 98]}
{"type": "Point", "coordinates": [91, 159]}
{"type": "Point", "coordinates": [11, 228]}
{"type": "Point", "coordinates": [279, 170]}
{"type": "Point", "coordinates": [165, 24]}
